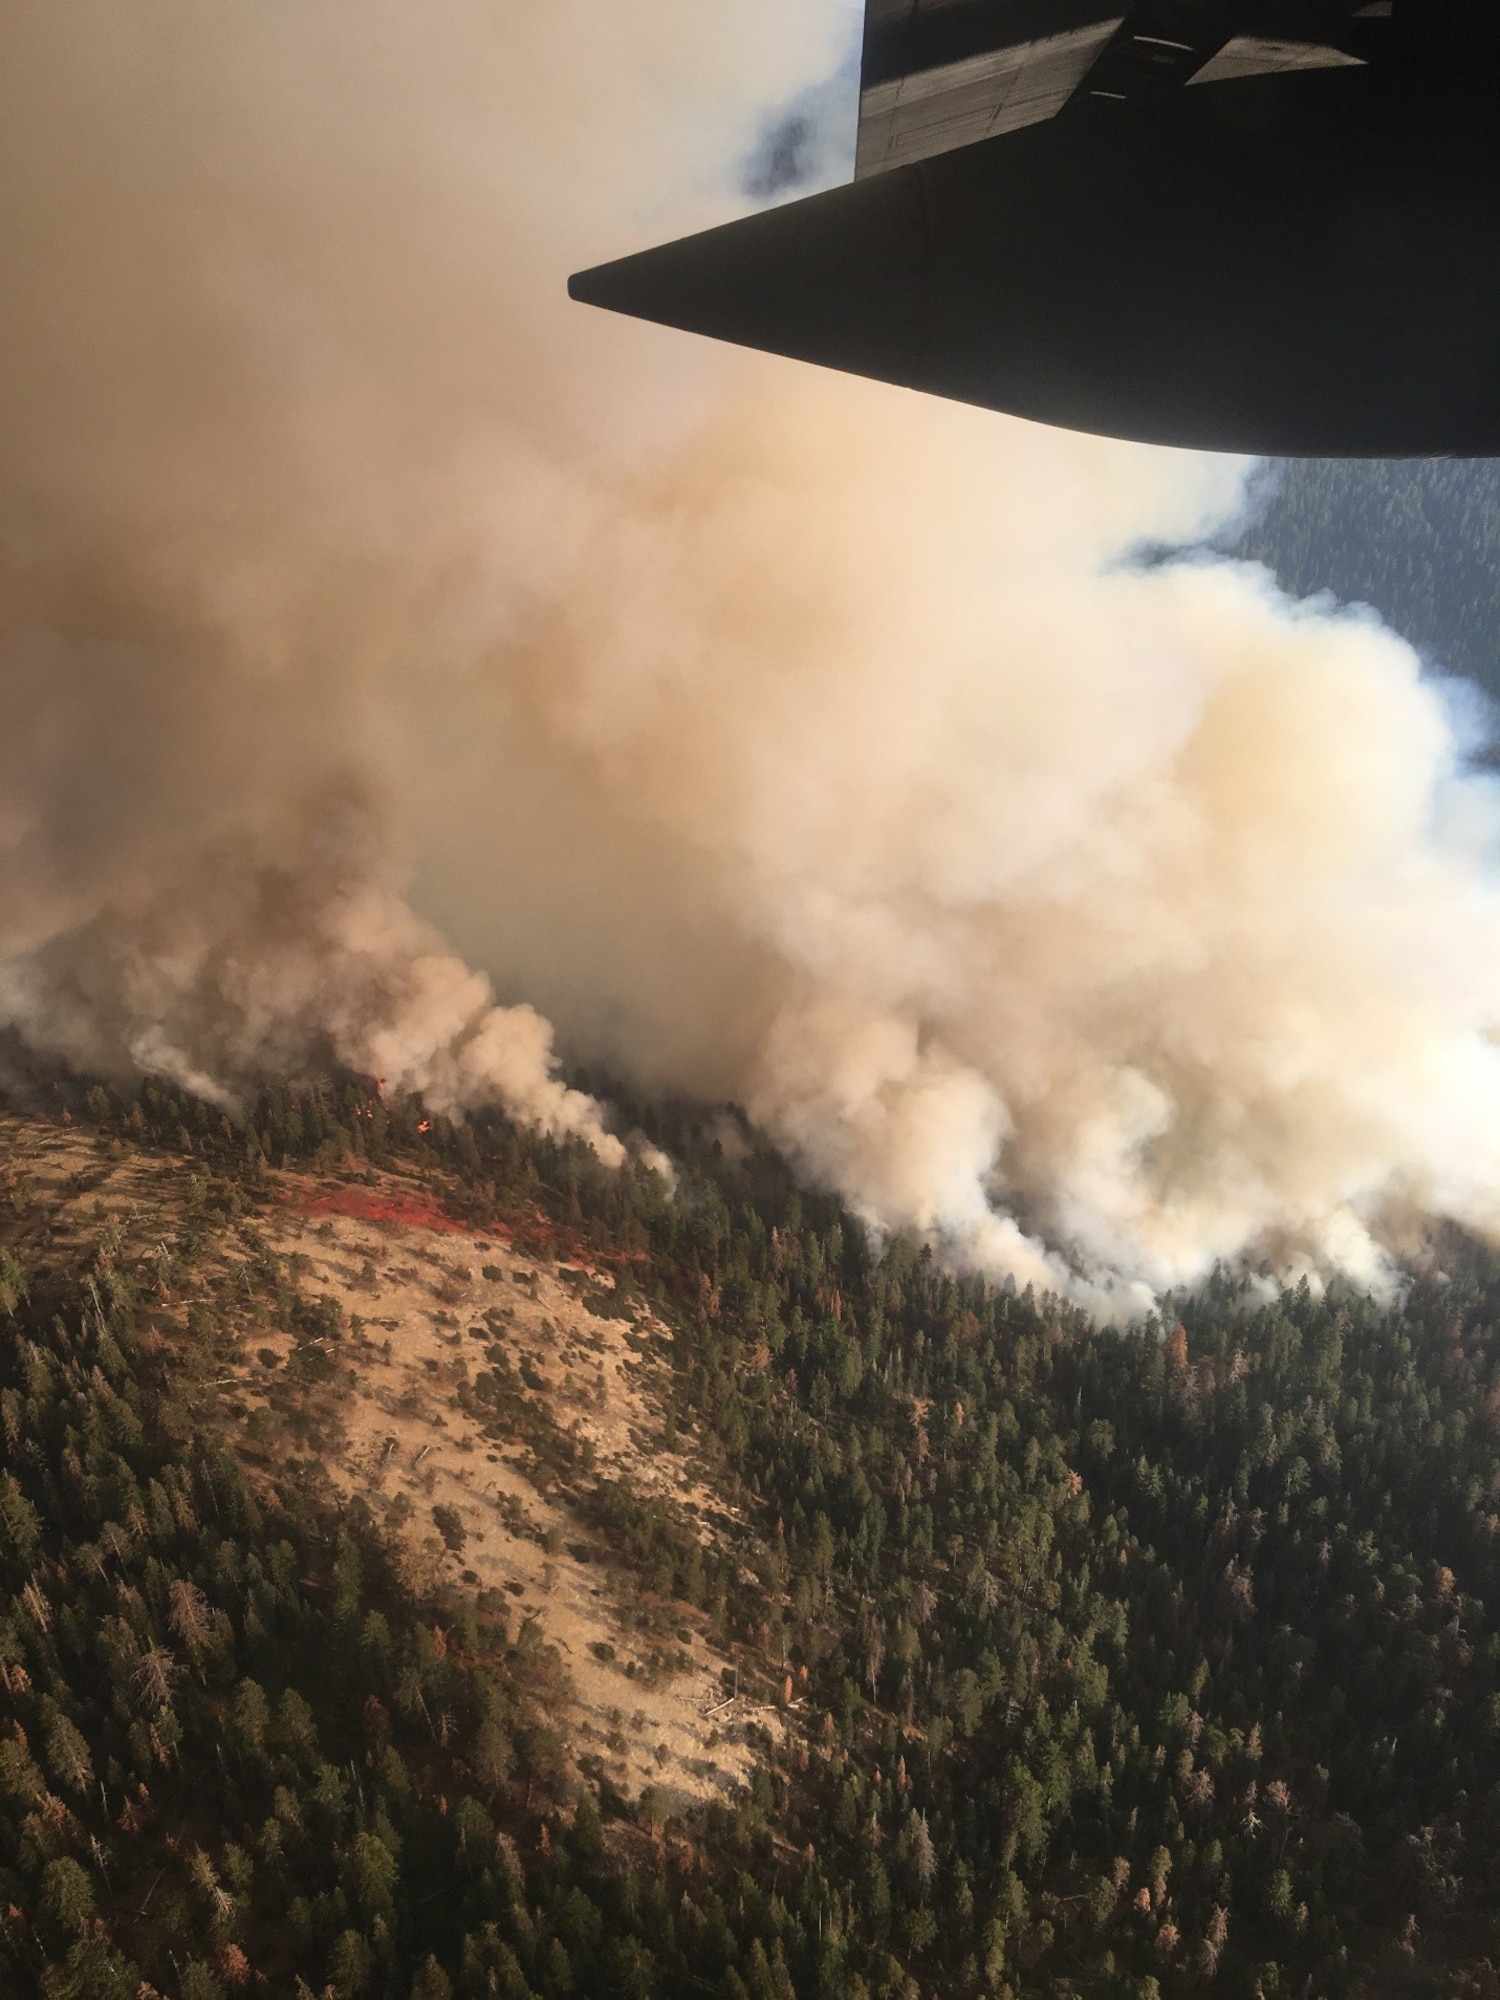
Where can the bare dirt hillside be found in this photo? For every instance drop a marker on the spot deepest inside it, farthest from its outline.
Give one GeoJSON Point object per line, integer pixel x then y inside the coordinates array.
{"type": "Point", "coordinates": [477, 1397]}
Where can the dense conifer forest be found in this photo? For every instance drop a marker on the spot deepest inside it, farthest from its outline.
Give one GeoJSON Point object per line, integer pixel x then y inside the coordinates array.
{"type": "Point", "coordinates": [1148, 1663]}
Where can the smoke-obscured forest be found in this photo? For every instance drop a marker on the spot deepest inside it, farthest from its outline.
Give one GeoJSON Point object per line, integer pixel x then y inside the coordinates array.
{"type": "Point", "coordinates": [1416, 539]}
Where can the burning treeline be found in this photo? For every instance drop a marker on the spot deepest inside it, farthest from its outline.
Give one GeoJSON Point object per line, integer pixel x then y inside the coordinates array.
{"type": "Point", "coordinates": [399, 662]}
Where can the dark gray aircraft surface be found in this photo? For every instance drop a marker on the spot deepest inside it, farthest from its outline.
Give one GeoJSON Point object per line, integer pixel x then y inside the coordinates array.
{"type": "Point", "coordinates": [1258, 228]}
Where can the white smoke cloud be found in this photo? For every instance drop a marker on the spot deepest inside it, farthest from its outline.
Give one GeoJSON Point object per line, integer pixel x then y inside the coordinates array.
{"type": "Point", "coordinates": [229, 971]}
{"type": "Point", "coordinates": [780, 737]}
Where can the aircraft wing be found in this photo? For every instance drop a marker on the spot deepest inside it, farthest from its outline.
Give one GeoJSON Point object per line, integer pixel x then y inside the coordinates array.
{"type": "Point", "coordinates": [1250, 225]}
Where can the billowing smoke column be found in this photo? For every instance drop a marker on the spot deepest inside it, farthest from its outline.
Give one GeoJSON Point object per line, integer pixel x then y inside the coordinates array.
{"type": "Point", "coordinates": [368, 614]}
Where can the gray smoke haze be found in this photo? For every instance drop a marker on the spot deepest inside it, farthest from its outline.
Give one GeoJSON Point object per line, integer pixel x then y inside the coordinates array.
{"type": "Point", "coordinates": [391, 650]}
{"type": "Point", "coordinates": [808, 143]}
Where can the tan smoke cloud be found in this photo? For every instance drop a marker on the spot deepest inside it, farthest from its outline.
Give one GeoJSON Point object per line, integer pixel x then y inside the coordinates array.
{"type": "Point", "coordinates": [779, 737]}
{"type": "Point", "coordinates": [292, 397]}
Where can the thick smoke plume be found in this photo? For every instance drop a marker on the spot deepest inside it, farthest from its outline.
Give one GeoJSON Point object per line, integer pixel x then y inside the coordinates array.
{"type": "Point", "coordinates": [779, 737]}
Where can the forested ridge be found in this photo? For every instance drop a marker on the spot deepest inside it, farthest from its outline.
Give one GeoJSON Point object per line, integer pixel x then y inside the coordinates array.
{"type": "Point", "coordinates": [1418, 539]}
{"type": "Point", "coordinates": [1152, 1663]}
